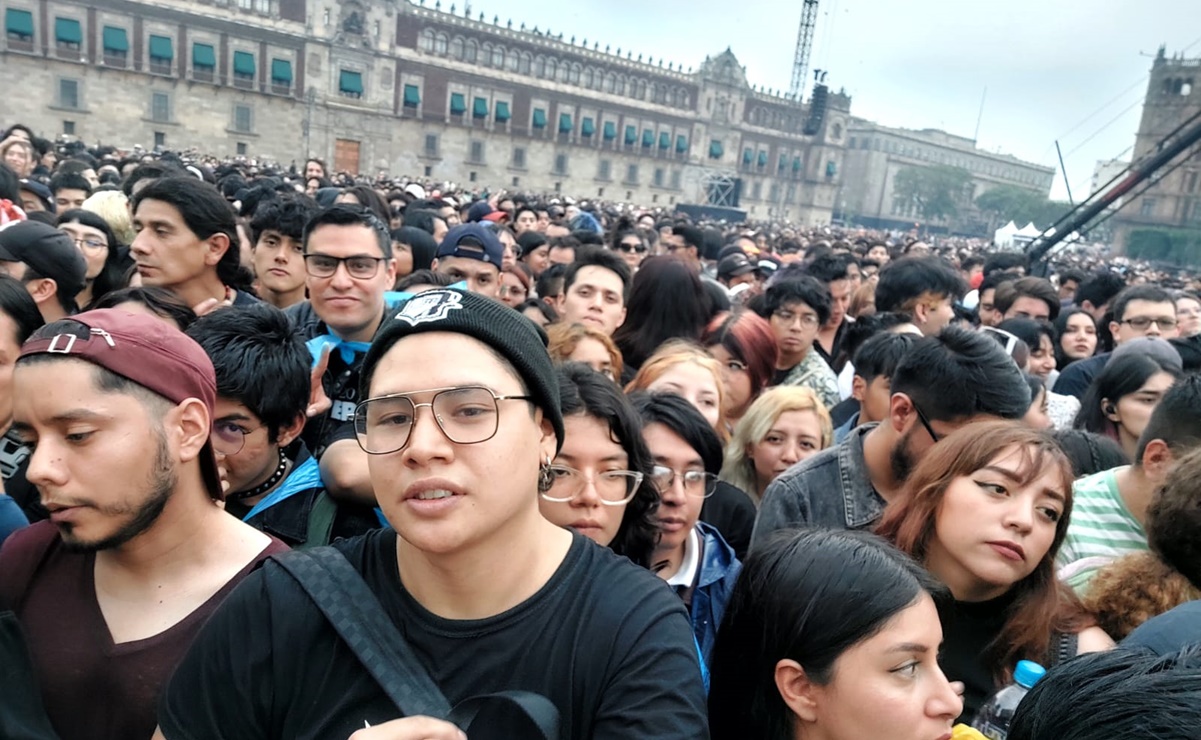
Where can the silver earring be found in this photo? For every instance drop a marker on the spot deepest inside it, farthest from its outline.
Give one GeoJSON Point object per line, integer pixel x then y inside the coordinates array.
{"type": "Point", "coordinates": [545, 477]}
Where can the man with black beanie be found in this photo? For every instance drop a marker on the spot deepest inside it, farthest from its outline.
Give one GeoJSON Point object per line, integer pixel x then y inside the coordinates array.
{"type": "Point", "coordinates": [461, 419]}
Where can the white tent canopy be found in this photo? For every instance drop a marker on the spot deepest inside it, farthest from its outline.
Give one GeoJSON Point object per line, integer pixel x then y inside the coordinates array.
{"type": "Point", "coordinates": [1003, 237]}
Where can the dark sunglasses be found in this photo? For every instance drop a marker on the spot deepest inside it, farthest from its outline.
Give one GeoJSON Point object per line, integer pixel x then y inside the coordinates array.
{"type": "Point", "coordinates": [627, 247]}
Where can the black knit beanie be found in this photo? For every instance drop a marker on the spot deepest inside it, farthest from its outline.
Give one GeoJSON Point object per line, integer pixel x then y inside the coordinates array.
{"type": "Point", "coordinates": [508, 332]}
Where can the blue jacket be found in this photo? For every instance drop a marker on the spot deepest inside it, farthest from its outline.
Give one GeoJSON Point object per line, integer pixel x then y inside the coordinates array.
{"type": "Point", "coordinates": [719, 570]}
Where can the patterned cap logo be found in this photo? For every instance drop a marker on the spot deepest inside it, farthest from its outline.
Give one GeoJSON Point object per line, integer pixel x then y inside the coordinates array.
{"type": "Point", "coordinates": [430, 306]}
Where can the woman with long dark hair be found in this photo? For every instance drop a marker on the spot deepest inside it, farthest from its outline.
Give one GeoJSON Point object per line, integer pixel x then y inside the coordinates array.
{"type": "Point", "coordinates": [669, 302]}
{"type": "Point", "coordinates": [100, 249]}
{"type": "Point", "coordinates": [985, 511]}
{"type": "Point", "coordinates": [1119, 401]}
{"type": "Point", "coordinates": [1077, 332]}
{"type": "Point", "coordinates": [832, 635]}
{"type": "Point", "coordinates": [600, 481]}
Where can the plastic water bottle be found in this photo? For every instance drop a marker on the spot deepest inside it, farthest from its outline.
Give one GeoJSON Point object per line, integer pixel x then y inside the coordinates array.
{"type": "Point", "coordinates": [996, 714]}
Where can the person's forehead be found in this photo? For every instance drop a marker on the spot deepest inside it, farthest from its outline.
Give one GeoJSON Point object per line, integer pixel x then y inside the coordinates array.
{"type": "Point", "coordinates": [597, 277]}
{"type": "Point", "coordinates": [475, 362]}
{"type": "Point", "coordinates": [344, 239]}
{"type": "Point", "coordinates": [797, 307]}
{"type": "Point", "coordinates": [469, 264]}
{"type": "Point", "coordinates": [1140, 307]}
{"type": "Point", "coordinates": [158, 210]}
{"type": "Point", "coordinates": [227, 408]}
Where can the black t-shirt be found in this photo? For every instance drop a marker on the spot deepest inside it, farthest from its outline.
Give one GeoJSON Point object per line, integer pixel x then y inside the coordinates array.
{"type": "Point", "coordinates": [968, 628]}
{"type": "Point", "coordinates": [732, 512]}
{"type": "Point", "coordinates": [14, 462]}
{"type": "Point", "coordinates": [604, 640]}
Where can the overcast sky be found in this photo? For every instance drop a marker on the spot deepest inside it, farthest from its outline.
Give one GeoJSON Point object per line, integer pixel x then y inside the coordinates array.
{"type": "Point", "coordinates": [1054, 69]}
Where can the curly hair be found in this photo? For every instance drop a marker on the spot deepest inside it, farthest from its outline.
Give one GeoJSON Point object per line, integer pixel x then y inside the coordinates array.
{"type": "Point", "coordinates": [1134, 588]}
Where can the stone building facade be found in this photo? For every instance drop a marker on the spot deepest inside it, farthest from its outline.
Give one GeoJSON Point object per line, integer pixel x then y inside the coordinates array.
{"type": "Point", "coordinates": [876, 154]}
{"type": "Point", "coordinates": [388, 86]}
{"type": "Point", "coordinates": [1174, 200]}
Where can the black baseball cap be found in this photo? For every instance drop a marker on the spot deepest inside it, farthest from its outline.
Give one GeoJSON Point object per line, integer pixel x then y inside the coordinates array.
{"type": "Point", "coordinates": [47, 251]}
{"type": "Point", "coordinates": [734, 265]}
{"type": "Point", "coordinates": [474, 241]}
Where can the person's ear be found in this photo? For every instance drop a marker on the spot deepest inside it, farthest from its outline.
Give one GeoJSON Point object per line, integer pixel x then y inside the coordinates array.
{"type": "Point", "coordinates": [547, 443]}
{"type": "Point", "coordinates": [1110, 410]}
{"type": "Point", "coordinates": [900, 412]}
{"type": "Point", "coordinates": [799, 693]}
{"type": "Point", "coordinates": [42, 290]}
{"type": "Point", "coordinates": [858, 388]}
{"type": "Point", "coordinates": [1157, 459]}
{"type": "Point", "coordinates": [216, 246]}
{"type": "Point", "coordinates": [1114, 326]}
{"type": "Point", "coordinates": [289, 433]}
{"type": "Point", "coordinates": [921, 313]}
{"type": "Point", "coordinates": [192, 426]}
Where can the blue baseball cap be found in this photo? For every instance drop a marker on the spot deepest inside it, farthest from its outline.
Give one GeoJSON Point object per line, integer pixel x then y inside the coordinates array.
{"type": "Point", "coordinates": [473, 241]}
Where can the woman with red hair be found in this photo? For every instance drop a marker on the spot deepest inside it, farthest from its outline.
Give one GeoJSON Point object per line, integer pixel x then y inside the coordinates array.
{"type": "Point", "coordinates": [985, 511]}
{"type": "Point", "coordinates": [745, 346]}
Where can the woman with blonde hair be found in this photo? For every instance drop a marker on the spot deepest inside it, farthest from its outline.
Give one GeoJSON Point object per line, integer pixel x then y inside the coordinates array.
{"type": "Point", "coordinates": [580, 343]}
{"type": "Point", "coordinates": [686, 369]}
{"type": "Point", "coordinates": [785, 425]}
{"type": "Point", "coordinates": [113, 207]}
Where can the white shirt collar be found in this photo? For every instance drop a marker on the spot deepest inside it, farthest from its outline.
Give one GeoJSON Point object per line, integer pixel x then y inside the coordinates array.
{"type": "Point", "coordinates": [686, 575]}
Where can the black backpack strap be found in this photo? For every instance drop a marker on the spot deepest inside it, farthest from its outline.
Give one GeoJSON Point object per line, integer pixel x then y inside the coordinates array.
{"type": "Point", "coordinates": [1064, 647]}
{"type": "Point", "coordinates": [537, 718]}
{"type": "Point", "coordinates": [356, 614]}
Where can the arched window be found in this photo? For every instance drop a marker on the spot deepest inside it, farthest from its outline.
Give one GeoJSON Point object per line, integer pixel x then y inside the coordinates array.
{"type": "Point", "coordinates": [654, 92]}
{"type": "Point", "coordinates": [523, 64]}
{"type": "Point", "coordinates": [610, 83]}
{"type": "Point", "coordinates": [621, 85]}
{"type": "Point", "coordinates": [486, 54]}
{"type": "Point", "coordinates": [440, 42]}
{"type": "Point", "coordinates": [470, 51]}
{"type": "Point", "coordinates": [564, 71]}
{"type": "Point", "coordinates": [498, 57]}
{"type": "Point", "coordinates": [573, 75]}
{"type": "Point", "coordinates": [552, 68]}
{"type": "Point", "coordinates": [511, 62]}
{"type": "Point", "coordinates": [427, 40]}
{"type": "Point", "coordinates": [589, 77]}
{"type": "Point", "coordinates": [640, 90]}
{"type": "Point", "coordinates": [540, 66]}
{"type": "Point", "coordinates": [456, 48]}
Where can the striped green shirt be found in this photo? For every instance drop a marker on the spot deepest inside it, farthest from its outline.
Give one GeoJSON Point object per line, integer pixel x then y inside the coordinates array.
{"type": "Point", "coordinates": [1101, 529]}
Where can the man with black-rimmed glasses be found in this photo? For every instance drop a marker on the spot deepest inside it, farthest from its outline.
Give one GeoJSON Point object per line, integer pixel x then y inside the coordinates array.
{"type": "Point", "coordinates": [348, 269]}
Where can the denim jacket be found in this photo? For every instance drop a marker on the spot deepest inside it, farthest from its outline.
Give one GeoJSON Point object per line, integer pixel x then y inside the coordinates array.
{"type": "Point", "coordinates": [719, 570]}
{"type": "Point", "coordinates": [831, 490]}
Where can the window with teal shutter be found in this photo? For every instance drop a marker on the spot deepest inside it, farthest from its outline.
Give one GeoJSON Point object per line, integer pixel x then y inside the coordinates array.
{"type": "Point", "coordinates": [115, 40]}
{"type": "Point", "coordinates": [68, 31]}
{"type": "Point", "coordinates": [458, 104]}
{"type": "Point", "coordinates": [412, 96]}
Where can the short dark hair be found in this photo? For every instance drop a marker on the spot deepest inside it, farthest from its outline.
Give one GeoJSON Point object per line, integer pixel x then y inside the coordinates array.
{"type": "Point", "coordinates": [880, 355]}
{"type": "Point", "coordinates": [260, 362]}
{"type": "Point", "coordinates": [348, 214]}
{"type": "Point", "coordinates": [828, 268]}
{"type": "Point", "coordinates": [683, 419]}
{"type": "Point", "coordinates": [1072, 274]}
{"type": "Point", "coordinates": [904, 281]}
{"type": "Point", "coordinates": [159, 301]}
{"type": "Point", "coordinates": [693, 237]}
{"type": "Point", "coordinates": [1177, 417]}
{"type": "Point", "coordinates": [204, 212]}
{"type": "Point", "coordinates": [69, 181]}
{"type": "Point", "coordinates": [424, 277]}
{"type": "Point", "coordinates": [17, 304]}
{"type": "Point", "coordinates": [1122, 693]}
{"type": "Point", "coordinates": [865, 327]}
{"type": "Point", "coordinates": [10, 184]}
{"type": "Point", "coordinates": [961, 373]}
{"type": "Point", "coordinates": [1030, 287]}
{"type": "Point", "coordinates": [112, 274]}
{"type": "Point", "coordinates": [798, 289]}
{"type": "Point", "coordinates": [585, 392]}
{"type": "Point", "coordinates": [150, 171]}
{"type": "Point", "coordinates": [1149, 293]}
{"type": "Point", "coordinates": [422, 218]}
{"type": "Point", "coordinates": [543, 307]}
{"type": "Point", "coordinates": [550, 282]}
{"type": "Point", "coordinates": [286, 214]}
{"type": "Point", "coordinates": [997, 279]}
{"type": "Point", "coordinates": [596, 257]}
{"type": "Point", "coordinates": [1174, 518]}
{"type": "Point", "coordinates": [1099, 289]}
{"type": "Point", "coordinates": [1004, 262]}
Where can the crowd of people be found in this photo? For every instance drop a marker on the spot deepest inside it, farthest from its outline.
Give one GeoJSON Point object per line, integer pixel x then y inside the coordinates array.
{"type": "Point", "coordinates": [289, 454]}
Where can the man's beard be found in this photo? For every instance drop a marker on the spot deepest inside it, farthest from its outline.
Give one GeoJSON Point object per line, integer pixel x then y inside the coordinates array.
{"type": "Point", "coordinates": [901, 460]}
{"type": "Point", "coordinates": [140, 517]}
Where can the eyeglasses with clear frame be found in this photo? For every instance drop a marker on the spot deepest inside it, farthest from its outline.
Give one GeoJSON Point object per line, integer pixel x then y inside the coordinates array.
{"type": "Point", "coordinates": [696, 482]}
{"type": "Point", "coordinates": [613, 487]}
{"type": "Point", "coordinates": [466, 415]}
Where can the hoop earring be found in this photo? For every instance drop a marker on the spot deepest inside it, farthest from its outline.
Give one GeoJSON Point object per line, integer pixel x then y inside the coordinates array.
{"type": "Point", "coordinates": [545, 478]}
